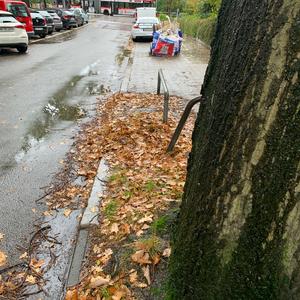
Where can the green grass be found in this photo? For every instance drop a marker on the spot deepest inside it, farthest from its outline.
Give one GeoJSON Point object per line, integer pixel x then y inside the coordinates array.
{"type": "Point", "coordinates": [202, 29]}
{"type": "Point", "coordinates": [110, 209]}
{"type": "Point", "coordinates": [159, 226]}
{"type": "Point", "coordinates": [150, 186]}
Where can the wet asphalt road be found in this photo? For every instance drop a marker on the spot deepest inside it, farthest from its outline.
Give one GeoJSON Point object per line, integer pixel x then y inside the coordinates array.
{"type": "Point", "coordinates": [69, 74]}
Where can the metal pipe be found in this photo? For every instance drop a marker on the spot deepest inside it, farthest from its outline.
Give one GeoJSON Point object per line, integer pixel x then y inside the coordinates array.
{"type": "Point", "coordinates": [182, 121]}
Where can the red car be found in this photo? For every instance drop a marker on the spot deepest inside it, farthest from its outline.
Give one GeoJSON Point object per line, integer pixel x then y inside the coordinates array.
{"type": "Point", "coordinates": [20, 11]}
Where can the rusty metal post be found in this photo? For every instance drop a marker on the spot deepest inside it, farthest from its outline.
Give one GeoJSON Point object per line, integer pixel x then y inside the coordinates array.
{"type": "Point", "coordinates": [182, 121]}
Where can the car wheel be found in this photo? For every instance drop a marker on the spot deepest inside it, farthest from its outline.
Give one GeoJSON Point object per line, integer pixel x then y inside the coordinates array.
{"type": "Point", "coordinates": [22, 49]}
{"type": "Point", "coordinates": [42, 36]}
{"type": "Point", "coordinates": [134, 39]}
{"type": "Point", "coordinates": [58, 30]}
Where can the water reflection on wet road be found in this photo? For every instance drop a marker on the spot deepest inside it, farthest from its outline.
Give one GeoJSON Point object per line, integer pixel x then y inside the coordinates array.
{"type": "Point", "coordinates": [43, 95]}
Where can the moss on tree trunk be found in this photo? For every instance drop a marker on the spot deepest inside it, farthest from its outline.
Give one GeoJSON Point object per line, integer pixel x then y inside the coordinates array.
{"type": "Point", "coordinates": [238, 231]}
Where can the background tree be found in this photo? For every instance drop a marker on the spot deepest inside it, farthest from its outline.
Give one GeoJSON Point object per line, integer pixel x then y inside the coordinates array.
{"type": "Point", "coordinates": [238, 231]}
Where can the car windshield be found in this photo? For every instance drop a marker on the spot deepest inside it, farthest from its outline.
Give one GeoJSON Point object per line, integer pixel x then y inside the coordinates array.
{"type": "Point", "coordinates": [18, 10]}
{"type": "Point", "coordinates": [147, 20]}
{"type": "Point", "coordinates": [7, 19]}
{"type": "Point", "coordinates": [67, 12]}
{"type": "Point", "coordinates": [44, 13]}
{"type": "Point", "coordinates": [36, 15]}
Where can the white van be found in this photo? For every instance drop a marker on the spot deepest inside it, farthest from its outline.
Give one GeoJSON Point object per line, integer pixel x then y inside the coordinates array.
{"type": "Point", "coordinates": [142, 12]}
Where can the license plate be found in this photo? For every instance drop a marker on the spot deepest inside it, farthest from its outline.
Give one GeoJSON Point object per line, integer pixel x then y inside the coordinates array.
{"type": "Point", "coordinates": [6, 29]}
{"type": "Point", "coordinates": [38, 29]}
{"type": "Point", "coordinates": [148, 29]}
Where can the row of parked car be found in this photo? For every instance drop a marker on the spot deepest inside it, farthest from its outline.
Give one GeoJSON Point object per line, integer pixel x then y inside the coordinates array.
{"type": "Point", "coordinates": [18, 22]}
{"type": "Point", "coordinates": [56, 19]}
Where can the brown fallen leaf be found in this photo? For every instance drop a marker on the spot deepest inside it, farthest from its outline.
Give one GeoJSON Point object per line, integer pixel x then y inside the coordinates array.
{"type": "Point", "coordinates": [114, 228]}
{"type": "Point", "coordinates": [141, 257]}
{"type": "Point", "coordinates": [141, 285]}
{"type": "Point", "coordinates": [133, 276]}
{"type": "Point", "coordinates": [146, 219]}
{"type": "Point", "coordinates": [146, 272]}
{"type": "Point", "coordinates": [72, 295]}
{"type": "Point", "coordinates": [156, 259]}
{"type": "Point", "coordinates": [167, 252]}
{"type": "Point", "coordinates": [98, 281]}
{"type": "Point", "coordinates": [118, 295]}
{"type": "Point", "coordinates": [3, 258]}
{"type": "Point", "coordinates": [1, 236]}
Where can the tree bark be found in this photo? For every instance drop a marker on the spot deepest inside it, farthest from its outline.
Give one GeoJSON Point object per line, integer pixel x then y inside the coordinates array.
{"type": "Point", "coordinates": [238, 231]}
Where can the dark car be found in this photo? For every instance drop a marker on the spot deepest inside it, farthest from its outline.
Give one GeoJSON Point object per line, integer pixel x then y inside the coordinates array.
{"type": "Point", "coordinates": [78, 17]}
{"type": "Point", "coordinates": [58, 25]}
{"type": "Point", "coordinates": [39, 24]}
{"type": "Point", "coordinates": [68, 19]}
{"type": "Point", "coordinates": [49, 20]}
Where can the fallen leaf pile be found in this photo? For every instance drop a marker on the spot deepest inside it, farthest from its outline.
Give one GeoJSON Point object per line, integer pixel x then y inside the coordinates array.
{"type": "Point", "coordinates": [144, 181]}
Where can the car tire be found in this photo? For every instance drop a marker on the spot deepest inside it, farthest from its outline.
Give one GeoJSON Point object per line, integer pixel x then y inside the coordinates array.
{"type": "Point", "coordinates": [134, 39]}
{"type": "Point", "coordinates": [58, 30]}
{"type": "Point", "coordinates": [22, 49]}
{"type": "Point", "coordinates": [42, 35]}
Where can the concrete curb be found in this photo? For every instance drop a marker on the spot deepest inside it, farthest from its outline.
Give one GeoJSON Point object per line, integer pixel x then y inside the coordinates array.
{"type": "Point", "coordinates": [89, 218]}
{"type": "Point", "coordinates": [60, 34]}
{"type": "Point", "coordinates": [92, 210]}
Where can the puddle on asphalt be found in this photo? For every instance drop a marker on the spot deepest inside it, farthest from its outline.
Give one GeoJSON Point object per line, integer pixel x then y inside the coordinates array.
{"type": "Point", "coordinates": [124, 52]}
{"type": "Point", "coordinates": [60, 108]}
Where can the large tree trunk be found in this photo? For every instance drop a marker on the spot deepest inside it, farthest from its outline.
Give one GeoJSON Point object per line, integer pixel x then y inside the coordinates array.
{"type": "Point", "coordinates": [238, 231]}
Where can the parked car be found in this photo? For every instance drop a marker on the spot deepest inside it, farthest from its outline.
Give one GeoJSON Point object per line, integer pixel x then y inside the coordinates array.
{"type": "Point", "coordinates": [39, 24]}
{"type": "Point", "coordinates": [82, 13]}
{"type": "Point", "coordinates": [49, 20]}
{"type": "Point", "coordinates": [20, 11]}
{"type": "Point", "coordinates": [79, 19]}
{"type": "Point", "coordinates": [143, 28]}
{"type": "Point", "coordinates": [58, 25]}
{"type": "Point", "coordinates": [67, 18]}
{"type": "Point", "coordinates": [12, 33]}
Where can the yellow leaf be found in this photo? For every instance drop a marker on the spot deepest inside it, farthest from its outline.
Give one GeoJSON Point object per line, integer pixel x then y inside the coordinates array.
{"type": "Point", "coordinates": [67, 212]}
{"type": "Point", "coordinates": [94, 209]}
{"type": "Point", "coordinates": [24, 255]}
{"type": "Point", "coordinates": [3, 258]}
{"type": "Point", "coordinates": [30, 279]}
